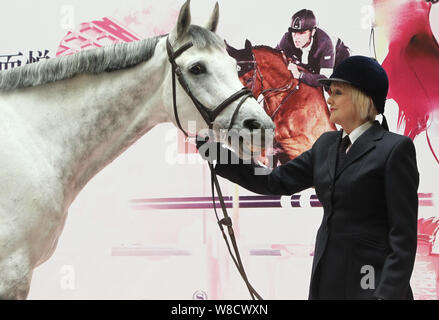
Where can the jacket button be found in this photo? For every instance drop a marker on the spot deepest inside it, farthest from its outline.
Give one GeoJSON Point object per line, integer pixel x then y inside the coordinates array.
{"type": "Point", "coordinates": [330, 187]}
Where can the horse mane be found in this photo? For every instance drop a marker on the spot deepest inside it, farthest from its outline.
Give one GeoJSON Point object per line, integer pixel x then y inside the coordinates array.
{"type": "Point", "coordinates": [273, 50]}
{"type": "Point", "coordinates": [94, 61]}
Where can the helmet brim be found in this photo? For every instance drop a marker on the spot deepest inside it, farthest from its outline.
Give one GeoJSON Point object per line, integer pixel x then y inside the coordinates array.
{"type": "Point", "coordinates": [300, 30]}
{"type": "Point", "coordinates": [327, 82]}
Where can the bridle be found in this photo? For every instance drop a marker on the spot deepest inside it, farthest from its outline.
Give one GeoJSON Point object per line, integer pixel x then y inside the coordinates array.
{"type": "Point", "coordinates": [256, 72]}
{"type": "Point", "coordinates": [209, 117]}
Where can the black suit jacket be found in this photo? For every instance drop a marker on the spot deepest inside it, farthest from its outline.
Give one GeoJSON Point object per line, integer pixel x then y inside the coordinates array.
{"type": "Point", "coordinates": [366, 244]}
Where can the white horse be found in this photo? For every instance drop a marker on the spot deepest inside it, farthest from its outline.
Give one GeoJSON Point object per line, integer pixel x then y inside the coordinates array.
{"type": "Point", "coordinates": [63, 120]}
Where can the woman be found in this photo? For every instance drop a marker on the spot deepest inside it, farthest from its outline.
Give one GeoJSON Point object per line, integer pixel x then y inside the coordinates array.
{"type": "Point", "coordinates": [366, 179]}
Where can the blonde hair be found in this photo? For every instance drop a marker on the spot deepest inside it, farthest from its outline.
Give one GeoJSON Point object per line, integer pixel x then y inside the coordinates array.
{"type": "Point", "coordinates": [363, 104]}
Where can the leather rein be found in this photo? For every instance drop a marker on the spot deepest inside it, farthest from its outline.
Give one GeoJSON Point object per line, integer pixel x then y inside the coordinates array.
{"type": "Point", "coordinates": [209, 117]}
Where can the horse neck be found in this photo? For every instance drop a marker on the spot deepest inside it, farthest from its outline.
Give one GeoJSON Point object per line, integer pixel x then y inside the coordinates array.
{"type": "Point", "coordinates": [104, 115]}
{"type": "Point", "coordinates": [272, 66]}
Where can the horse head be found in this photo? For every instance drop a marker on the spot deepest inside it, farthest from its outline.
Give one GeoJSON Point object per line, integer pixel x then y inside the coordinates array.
{"type": "Point", "coordinates": [264, 70]}
{"type": "Point", "coordinates": [246, 63]}
{"type": "Point", "coordinates": [299, 111]}
{"type": "Point", "coordinates": [207, 78]}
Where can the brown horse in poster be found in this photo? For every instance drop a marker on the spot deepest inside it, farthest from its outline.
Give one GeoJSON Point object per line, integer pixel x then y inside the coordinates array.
{"type": "Point", "coordinates": [299, 111]}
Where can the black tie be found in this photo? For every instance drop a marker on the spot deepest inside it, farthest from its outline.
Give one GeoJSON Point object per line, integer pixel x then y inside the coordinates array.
{"type": "Point", "coordinates": [345, 143]}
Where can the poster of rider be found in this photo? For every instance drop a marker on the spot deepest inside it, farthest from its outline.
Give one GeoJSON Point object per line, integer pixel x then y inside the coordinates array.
{"type": "Point", "coordinates": [144, 228]}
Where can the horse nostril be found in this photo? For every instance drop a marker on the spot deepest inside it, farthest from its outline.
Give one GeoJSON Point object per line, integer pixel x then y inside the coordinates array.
{"type": "Point", "coordinates": [252, 124]}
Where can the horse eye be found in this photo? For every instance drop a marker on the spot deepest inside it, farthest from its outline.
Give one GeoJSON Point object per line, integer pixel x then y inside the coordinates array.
{"type": "Point", "coordinates": [197, 69]}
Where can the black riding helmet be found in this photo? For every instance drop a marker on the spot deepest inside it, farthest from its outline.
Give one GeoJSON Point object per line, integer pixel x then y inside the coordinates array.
{"type": "Point", "coordinates": [365, 74]}
{"type": "Point", "coordinates": [303, 20]}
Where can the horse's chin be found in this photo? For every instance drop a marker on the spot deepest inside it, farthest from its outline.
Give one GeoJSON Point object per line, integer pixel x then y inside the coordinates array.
{"type": "Point", "coordinates": [247, 151]}
{"type": "Point", "coordinates": [247, 145]}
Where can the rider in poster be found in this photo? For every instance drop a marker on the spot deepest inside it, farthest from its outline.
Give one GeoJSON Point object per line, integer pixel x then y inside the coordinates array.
{"type": "Point", "coordinates": [310, 48]}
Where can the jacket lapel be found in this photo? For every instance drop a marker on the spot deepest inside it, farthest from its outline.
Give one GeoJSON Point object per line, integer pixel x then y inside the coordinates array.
{"type": "Point", "coordinates": [362, 145]}
{"type": "Point", "coordinates": [332, 155]}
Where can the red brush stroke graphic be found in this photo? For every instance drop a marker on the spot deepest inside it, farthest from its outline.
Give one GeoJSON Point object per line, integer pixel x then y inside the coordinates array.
{"type": "Point", "coordinates": [412, 63]}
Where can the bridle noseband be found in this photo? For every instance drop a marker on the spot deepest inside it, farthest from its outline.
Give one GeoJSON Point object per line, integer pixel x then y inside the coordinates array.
{"type": "Point", "coordinates": [209, 115]}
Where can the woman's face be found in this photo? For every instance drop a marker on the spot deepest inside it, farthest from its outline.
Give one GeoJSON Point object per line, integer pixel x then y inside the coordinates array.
{"type": "Point", "coordinates": [342, 110]}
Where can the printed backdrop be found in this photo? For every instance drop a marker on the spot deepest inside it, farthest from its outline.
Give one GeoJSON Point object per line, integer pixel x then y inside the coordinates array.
{"type": "Point", "coordinates": [143, 228]}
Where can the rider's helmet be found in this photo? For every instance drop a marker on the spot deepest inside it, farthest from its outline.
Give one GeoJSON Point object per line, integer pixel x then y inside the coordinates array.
{"type": "Point", "coordinates": [303, 20]}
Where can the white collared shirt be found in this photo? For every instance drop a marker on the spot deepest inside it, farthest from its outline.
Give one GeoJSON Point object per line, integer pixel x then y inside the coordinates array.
{"type": "Point", "coordinates": [357, 132]}
{"type": "Point", "coordinates": [305, 52]}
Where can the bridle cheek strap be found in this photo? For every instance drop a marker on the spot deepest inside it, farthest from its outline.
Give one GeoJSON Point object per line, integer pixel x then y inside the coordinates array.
{"type": "Point", "coordinates": [208, 115]}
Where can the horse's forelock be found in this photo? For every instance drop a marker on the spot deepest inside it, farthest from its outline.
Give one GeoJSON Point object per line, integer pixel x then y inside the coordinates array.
{"type": "Point", "coordinates": [267, 48]}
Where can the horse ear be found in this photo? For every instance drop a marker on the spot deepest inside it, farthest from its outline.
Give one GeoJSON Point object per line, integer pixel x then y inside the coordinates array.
{"type": "Point", "coordinates": [248, 44]}
{"type": "Point", "coordinates": [230, 50]}
{"type": "Point", "coordinates": [212, 24]}
{"type": "Point", "coordinates": [183, 22]}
